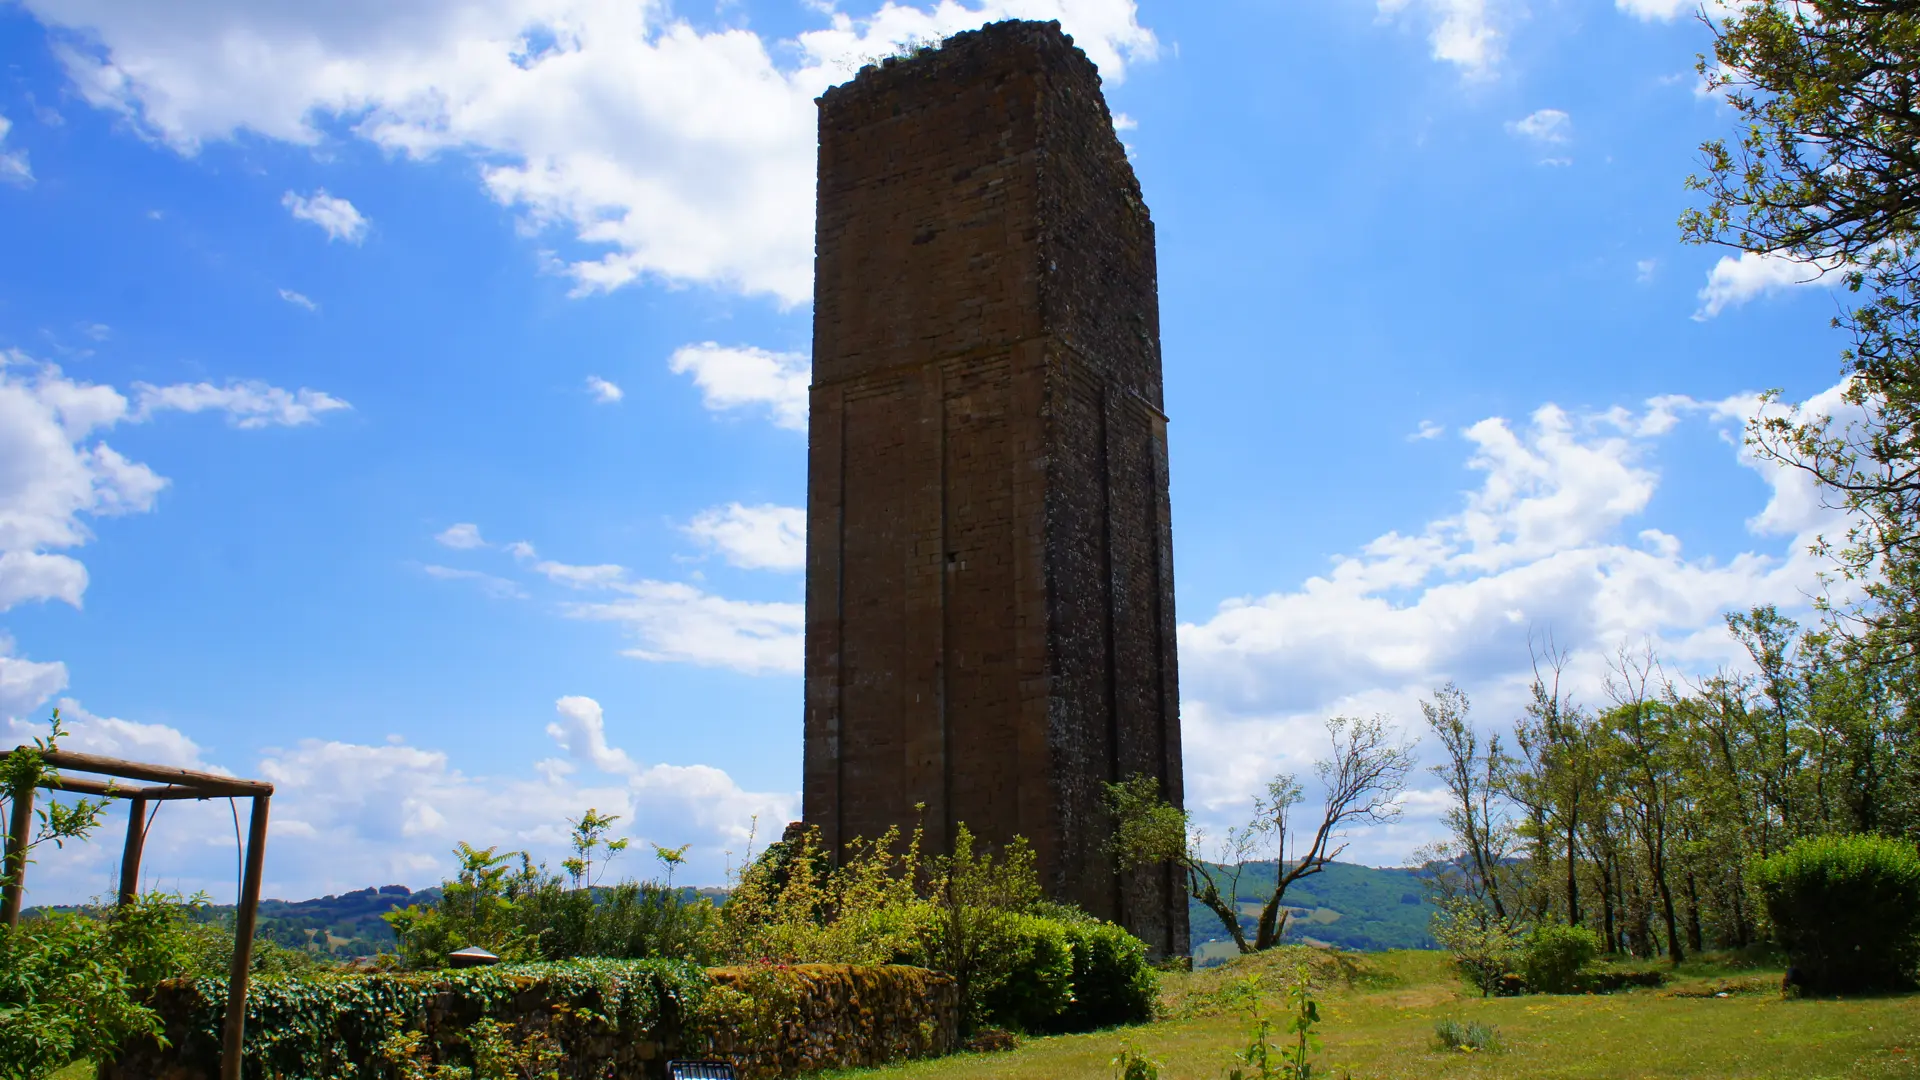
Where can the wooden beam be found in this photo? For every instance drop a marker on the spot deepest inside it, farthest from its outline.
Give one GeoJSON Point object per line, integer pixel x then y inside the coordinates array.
{"type": "Point", "coordinates": [15, 867]}
{"type": "Point", "coordinates": [209, 783]}
{"type": "Point", "coordinates": [243, 925]}
{"type": "Point", "coordinates": [80, 785]}
{"type": "Point", "coordinates": [130, 855]}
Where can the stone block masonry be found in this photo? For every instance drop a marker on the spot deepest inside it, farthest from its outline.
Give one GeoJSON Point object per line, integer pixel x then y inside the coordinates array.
{"type": "Point", "coordinates": [990, 624]}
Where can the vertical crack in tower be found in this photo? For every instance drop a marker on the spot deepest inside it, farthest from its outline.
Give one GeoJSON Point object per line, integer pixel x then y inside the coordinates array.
{"type": "Point", "coordinates": [990, 624]}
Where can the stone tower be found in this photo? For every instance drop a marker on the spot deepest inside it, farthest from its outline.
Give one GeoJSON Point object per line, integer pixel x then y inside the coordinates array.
{"type": "Point", "coordinates": [990, 626]}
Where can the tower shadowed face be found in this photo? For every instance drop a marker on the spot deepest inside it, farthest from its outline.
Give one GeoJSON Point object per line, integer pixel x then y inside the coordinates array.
{"type": "Point", "coordinates": [990, 624]}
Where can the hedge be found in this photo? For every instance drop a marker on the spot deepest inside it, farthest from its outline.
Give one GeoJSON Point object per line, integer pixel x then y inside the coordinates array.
{"type": "Point", "coordinates": [1847, 911]}
{"type": "Point", "coordinates": [612, 1018]}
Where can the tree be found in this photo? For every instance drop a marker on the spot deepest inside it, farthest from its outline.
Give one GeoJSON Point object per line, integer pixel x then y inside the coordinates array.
{"type": "Point", "coordinates": [21, 772]}
{"type": "Point", "coordinates": [1826, 173]}
{"type": "Point", "coordinates": [589, 838]}
{"type": "Point", "coordinates": [1478, 866]}
{"type": "Point", "coordinates": [1362, 777]}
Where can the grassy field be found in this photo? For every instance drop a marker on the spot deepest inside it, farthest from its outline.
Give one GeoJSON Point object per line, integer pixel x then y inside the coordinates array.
{"type": "Point", "coordinates": [1378, 1012]}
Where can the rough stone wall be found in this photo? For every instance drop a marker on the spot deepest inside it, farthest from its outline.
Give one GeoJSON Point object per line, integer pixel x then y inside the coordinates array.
{"type": "Point", "coordinates": [990, 625]}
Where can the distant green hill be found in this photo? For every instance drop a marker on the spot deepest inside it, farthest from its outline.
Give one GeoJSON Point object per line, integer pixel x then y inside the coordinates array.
{"type": "Point", "coordinates": [1351, 906]}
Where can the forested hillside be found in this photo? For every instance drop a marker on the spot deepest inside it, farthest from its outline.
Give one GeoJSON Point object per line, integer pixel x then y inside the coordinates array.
{"type": "Point", "coordinates": [1351, 906]}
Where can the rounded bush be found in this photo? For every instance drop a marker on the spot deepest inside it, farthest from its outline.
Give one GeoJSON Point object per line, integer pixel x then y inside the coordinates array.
{"type": "Point", "coordinates": [1847, 911]}
{"type": "Point", "coordinates": [1112, 981]}
{"type": "Point", "coordinates": [1027, 972]}
{"type": "Point", "coordinates": [1552, 956]}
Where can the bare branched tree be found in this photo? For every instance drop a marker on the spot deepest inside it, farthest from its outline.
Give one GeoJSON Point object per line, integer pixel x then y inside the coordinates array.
{"type": "Point", "coordinates": [1363, 778]}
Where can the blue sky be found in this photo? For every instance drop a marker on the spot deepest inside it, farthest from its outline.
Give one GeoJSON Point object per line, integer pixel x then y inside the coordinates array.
{"type": "Point", "coordinates": [405, 402]}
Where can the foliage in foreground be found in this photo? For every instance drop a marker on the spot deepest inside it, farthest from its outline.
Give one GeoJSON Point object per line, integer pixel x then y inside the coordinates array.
{"type": "Point", "coordinates": [1021, 963]}
{"type": "Point", "coordinates": [356, 1027]}
{"type": "Point", "coordinates": [504, 903]}
{"type": "Point", "coordinates": [69, 983]}
{"type": "Point", "coordinates": [1847, 910]}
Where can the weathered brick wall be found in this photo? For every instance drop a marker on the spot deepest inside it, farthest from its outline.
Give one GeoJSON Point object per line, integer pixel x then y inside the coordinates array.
{"type": "Point", "coordinates": [990, 626]}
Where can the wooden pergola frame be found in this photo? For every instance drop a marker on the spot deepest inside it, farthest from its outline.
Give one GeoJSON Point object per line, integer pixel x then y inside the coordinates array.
{"type": "Point", "coordinates": [174, 784]}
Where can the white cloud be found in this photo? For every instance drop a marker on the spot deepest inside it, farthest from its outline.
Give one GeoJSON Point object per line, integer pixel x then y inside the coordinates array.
{"type": "Point", "coordinates": [336, 216]}
{"type": "Point", "coordinates": [1735, 280]}
{"type": "Point", "coordinates": [521, 550]}
{"type": "Point", "coordinates": [1669, 10]}
{"type": "Point", "coordinates": [582, 732]}
{"type": "Point", "coordinates": [1464, 32]}
{"type": "Point", "coordinates": [248, 404]}
{"type": "Point", "coordinates": [765, 537]}
{"type": "Point", "coordinates": [56, 470]}
{"type": "Point", "coordinates": [1644, 270]}
{"type": "Point", "coordinates": [298, 300]}
{"type": "Point", "coordinates": [678, 623]}
{"type": "Point", "coordinates": [1427, 430]}
{"type": "Point", "coordinates": [13, 164]}
{"type": "Point", "coordinates": [25, 685]}
{"type": "Point", "coordinates": [1543, 126]}
{"type": "Point", "coordinates": [1554, 537]}
{"type": "Point", "coordinates": [739, 377]}
{"type": "Point", "coordinates": [497, 587]}
{"type": "Point", "coordinates": [461, 536]}
{"type": "Point", "coordinates": [603, 576]}
{"type": "Point", "coordinates": [404, 810]}
{"type": "Point", "coordinates": [666, 152]}
{"type": "Point", "coordinates": [603, 391]}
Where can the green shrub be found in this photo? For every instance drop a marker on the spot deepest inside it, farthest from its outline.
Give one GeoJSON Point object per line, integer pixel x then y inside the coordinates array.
{"type": "Point", "coordinates": [1486, 950]}
{"type": "Point", "coordinates": [1553, 955]}
{"type": "Point", "coordinates": [1846, 909]}
{"type": "Point", "coordinates": [71, 983]}
{"type": "Point", "coordinates": [1025, 978]}
{"type": "Point", "coordinates": [629, 921]}
{"type": "Point", "coordinates": [1112, 981]}
{"type": "Point", "coordinates": [1449, 1034]}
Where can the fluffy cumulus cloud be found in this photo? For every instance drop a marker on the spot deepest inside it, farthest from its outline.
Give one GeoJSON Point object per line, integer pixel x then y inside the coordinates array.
{"type": "Point", "coordinates": [602, 391]}
{"type": "Point", "coordinates": [337, 217]}
{"type": "Point", "coordinates": [57, 471]}
{"type": "Point", "coordinates": [26, 684]}
{"type": "Point", "coordinates": [743, 377]}
{"type": "Point", "coordinates": [405, 809]}
{"type": "Point", "coordinates": [1553, 539]}
{"type": "Point", "coordinates": [660, 151]}
{"type": "Point", "coordinates": [1465, 33]}
{"type": "Point", "coordinates": [1735, 280]}
{"type": "Point", "coordinates": [754, 537]}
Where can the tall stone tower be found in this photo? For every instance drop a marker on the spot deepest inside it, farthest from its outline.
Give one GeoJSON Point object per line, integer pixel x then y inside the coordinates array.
{"type": "Point", "coordinates": [990, 626]}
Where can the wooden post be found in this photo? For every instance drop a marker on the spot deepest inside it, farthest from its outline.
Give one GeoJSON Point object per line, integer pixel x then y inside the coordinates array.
{"type": "Point", "coordinates": [243, 924]}
{"type": "Point", "coordinates": [15, 870]}
{"type": "Point", "coordinates": [130, 855]}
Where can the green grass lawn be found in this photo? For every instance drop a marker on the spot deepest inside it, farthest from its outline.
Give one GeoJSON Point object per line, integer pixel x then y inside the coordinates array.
{"type": "Point", "coordinates": [1378, 1012]}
